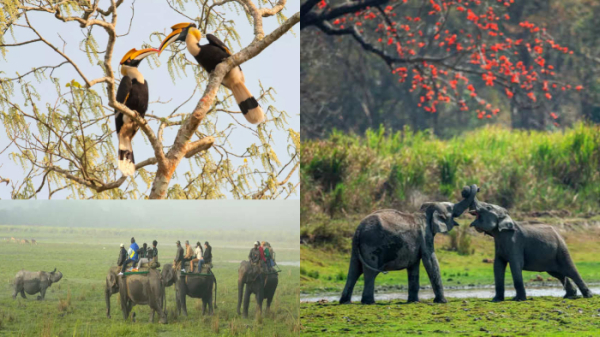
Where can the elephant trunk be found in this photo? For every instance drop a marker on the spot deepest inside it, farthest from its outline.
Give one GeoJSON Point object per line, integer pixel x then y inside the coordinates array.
{"type": "Point", "coordinates": [240, 294]}
{"type": "Point", "coordinates": [107, 293]}
{"type": "Point", "coordinates": [468, 193]}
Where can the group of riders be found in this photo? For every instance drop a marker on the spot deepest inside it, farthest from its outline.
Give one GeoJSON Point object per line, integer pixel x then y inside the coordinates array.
{"type": "Point", "coordinates": [136, 255]}
{"type": "Point", "coordinates": [261, 255]}
{"type": "Point", "coordinates": [196, 257]}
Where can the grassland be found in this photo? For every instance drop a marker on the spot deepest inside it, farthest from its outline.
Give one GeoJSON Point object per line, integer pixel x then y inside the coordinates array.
{"type": "Point", "coordinates": [75, 306]}
{"type": "Point", "coordinates": [541, 316]}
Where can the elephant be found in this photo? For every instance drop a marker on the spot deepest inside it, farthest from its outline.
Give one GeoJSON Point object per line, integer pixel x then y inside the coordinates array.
{"type": "Point", "coordinates": [33, 282]}
{"type": "Point", "coordinates": [195, 286]}
{"type": "Point", "coordinates": [262, 285]}
{"type": "Point", "coordinates": [111, 286]}
{"type": "Point", "coordinates": [533, 248]}
{"type": "Point", "coordinates": [143, 289]}
{"type": "Point", "coordinates": [392, 240]}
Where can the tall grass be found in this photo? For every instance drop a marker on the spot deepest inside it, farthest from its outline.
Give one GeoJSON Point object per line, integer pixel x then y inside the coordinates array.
{"type": "Point", "coordinates": [520, 170]}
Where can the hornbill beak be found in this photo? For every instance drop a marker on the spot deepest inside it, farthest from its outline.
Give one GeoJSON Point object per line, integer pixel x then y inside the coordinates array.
{"type": "Point", "coordinates": [179, 33]}
{"type": "Point", "coordinates": [134, 56]}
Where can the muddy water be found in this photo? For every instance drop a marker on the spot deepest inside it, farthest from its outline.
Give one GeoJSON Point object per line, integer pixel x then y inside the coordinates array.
{"type": "Point", "coordinates": [451, 293]}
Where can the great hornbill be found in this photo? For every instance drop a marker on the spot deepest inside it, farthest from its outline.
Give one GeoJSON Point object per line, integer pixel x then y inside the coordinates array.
{"type": "Point", "coordinates": [133, 92]}
{"type": "Point", "coordinates": [209, 56]}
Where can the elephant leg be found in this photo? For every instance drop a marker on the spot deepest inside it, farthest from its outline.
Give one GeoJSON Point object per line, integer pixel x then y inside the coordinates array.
{"type": "Point", "coordinates": [567, 284]}
{"type": "Point", "coordinates": [499, 271]}
{"type": "Point", "coordinates": [516, 269]}
{"type": "Point", "coordinates": [178, 302]}
{"type": "Point", "coordinates": [574, 275]}
{"type": "Point", "coordinates": [15, 292]}
{"type": "Point", "coordinates": [247, 300]}
{"type": "Point", "coordinates": [184, 304]}
{"type": "Point", "coordinates": [433, 271]}
{"type": "Point", "coordinates": [125, 307]}
{"type": "Point", "coordinates": [269, 300]}
{"type": "Point", "coordinates": [354, 272]}
{"type": "Point", "coordinates": [152, 311]}
{"type": "Point", "coordinates": [413, 282]}
{"type": "Point", "coordinates": [368, 296]}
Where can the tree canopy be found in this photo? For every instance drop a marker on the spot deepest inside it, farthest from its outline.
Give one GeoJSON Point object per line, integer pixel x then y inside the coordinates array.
{"type": "Point", "coordinates": [447, 65]}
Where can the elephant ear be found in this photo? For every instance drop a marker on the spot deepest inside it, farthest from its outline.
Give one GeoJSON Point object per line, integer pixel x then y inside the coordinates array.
{"type": "Point", "coordinates": [112, 279]}
{"type": "Point", "coordinates": [506, 223]}
{"type": "Point", "coordinates": [437, 224]}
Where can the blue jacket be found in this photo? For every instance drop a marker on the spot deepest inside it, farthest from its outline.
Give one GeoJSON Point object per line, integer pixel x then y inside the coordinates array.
{"type": "Point", "coordinates": [132, 253]}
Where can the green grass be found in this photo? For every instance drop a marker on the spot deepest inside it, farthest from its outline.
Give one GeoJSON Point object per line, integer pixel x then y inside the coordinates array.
{"type": "Point", "coordinates": [517, 169]}
{"type": "Point", "coordinates": [541, 316]}
{"type": "Point", "coordinates": [331, 262]}
{"type": "Point", "coordinates": [75, 306]}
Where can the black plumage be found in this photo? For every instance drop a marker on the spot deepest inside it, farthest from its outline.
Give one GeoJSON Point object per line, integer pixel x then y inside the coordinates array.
{"type": "Point", "coordinates": [212, 54]}
{"type": "Point", "coordinates": [135, 96]}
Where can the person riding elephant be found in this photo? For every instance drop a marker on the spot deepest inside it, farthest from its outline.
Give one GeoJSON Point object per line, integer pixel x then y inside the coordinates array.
{"type": "Point", "coordinates": [525, 247]}
{"type": "Point", "coordinates": [198, 259]}
{"type": "Point", "coordinates": [177, 262]}
{"type": "Point", "coordinates": [132, 256]}
{"type": "Point", "coordinates": [194, 286]}
{"type": "Point", "coordinates": [254, 255]}
{"type": "Point", "coordinates": [392, 240]}
{"type": "Point", "coordinates": [143, 289]}
{"type": "Point", "coordinates": [154, 261]}
{"type": "Point", "coordinates": [33, 282]}
{"type": "Point", "coordinates": [208, 254]}
{"type": "Point", "coordinates": [189, 252]}
{"type": "Point", "coordinates": [262, 285]}
{"type": "Point", "coordinates": [122, 256]}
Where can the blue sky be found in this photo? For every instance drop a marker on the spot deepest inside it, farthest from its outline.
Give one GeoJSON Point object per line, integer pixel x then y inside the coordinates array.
{"type": "Point", "coordinates": [278, 67]}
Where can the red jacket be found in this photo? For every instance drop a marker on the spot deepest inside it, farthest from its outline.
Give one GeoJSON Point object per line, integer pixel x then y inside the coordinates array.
{"type": "Point", "coordinates": [262, 253]}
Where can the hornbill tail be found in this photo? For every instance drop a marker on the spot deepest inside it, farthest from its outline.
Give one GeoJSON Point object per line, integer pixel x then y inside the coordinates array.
{"type": "Point", "coordinates": [247, 103]}
{"type": "Point", "coordinates": [126, 161]}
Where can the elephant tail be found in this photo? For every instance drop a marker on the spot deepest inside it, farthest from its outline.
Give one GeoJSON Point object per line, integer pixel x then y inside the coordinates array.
{"type": "Point", "coordinates": [215, 280]}
{"type": "Point", "coordinates": [356, 246]}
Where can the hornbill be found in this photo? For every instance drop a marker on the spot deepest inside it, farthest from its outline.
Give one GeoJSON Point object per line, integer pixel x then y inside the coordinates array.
{"type": "Point", "coordinates": [209, 56]}
{"type": "Point", "coordinates": [133, 92]}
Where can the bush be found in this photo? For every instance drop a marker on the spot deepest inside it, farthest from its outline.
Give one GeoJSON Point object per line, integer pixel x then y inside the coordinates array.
{"type": "Point", "coordinates": [521, 170]}
{"type": "Point", "coordinates": [460, 241]}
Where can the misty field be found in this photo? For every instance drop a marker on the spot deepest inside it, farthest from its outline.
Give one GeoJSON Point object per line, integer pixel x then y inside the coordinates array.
{"type": "Point", "coordinates": [75, 306]}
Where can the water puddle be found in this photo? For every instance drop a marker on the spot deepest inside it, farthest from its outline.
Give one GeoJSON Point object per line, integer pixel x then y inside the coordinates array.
{"type": "Point", "coordinates": [451, 293]}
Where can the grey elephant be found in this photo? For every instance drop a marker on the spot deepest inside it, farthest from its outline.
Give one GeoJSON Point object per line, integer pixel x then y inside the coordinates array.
{"type": "Point", "coordinates": [533, 248]}
{"type": "Point", "coordinates": [146, 289]}
{"type": "Point", "coordinates": [111, 286]}
{"type": "Point", "coordinates": [195, 286]}
{"type": "Point", "coordinates": [262, 285]}
{"type": "Point", "coordinates": [33, 282]}
{"type": "Point", "coordinates": [392, 240]}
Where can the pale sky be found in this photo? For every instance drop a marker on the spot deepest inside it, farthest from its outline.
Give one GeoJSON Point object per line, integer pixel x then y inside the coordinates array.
{"type": "Point", "coordinates": [278, 67]}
